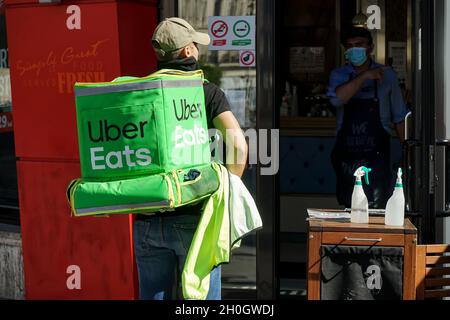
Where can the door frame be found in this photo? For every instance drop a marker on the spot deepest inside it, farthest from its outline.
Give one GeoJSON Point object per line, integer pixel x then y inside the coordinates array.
{"type": "Point", "coordinates": [268, 190]}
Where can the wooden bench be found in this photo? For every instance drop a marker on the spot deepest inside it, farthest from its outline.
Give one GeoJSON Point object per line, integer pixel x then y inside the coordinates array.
{"type": "Point", "coordinates": [431, 271]}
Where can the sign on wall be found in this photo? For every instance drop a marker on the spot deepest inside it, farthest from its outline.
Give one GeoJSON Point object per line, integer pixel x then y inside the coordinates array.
{"type": "Point", "coordinates": [247, 58]}
{"type": "Point", "coordinates": [6, 124]}
{"type": "Point", "coordinates": [232, 32]}
{"type": "Point", "coordinates": [307, 60]}
{"type": "Point", "coordinates": [398, 58]}
{"type": "Point", "coordinates": [5, 88]}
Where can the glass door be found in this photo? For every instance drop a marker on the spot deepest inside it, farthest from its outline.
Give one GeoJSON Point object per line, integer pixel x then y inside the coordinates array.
{"type": "Point", "coordinates": [446, 128]}
{"type": "Point", "coordinates": [428, 143]}
{"type": "Point", "coordinates": [436, 219]}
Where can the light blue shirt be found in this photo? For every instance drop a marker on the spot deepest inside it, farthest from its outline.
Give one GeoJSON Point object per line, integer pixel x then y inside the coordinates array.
{"type": "Point", "coordinates": [392, 107]}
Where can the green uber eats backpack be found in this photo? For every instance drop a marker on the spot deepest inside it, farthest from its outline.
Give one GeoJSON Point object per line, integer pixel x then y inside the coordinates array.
{"type": "Point", "coordinates": [143, 144]}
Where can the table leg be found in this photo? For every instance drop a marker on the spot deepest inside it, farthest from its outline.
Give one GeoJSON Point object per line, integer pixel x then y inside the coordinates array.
{"type": "Point", "coordinates": [409, 268]}
{"type": "Point", "coordinates": [314, 244]}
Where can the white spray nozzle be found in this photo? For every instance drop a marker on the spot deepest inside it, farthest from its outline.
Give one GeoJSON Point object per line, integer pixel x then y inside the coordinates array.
{"type": "Point", "coordinates": [399, 183]}
{"type": "Point", "coordinates": [361, 172]}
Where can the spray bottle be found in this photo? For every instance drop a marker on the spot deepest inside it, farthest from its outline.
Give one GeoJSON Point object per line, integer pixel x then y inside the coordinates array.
{"type": "Point", "coordinates": [360, 204]}
{"type": "Point", "coordinates": [395, 208]}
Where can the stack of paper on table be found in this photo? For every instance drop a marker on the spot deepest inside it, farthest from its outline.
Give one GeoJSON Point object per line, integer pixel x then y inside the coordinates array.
{"type": "Point", "coordinates": [328, 214]}
{"type": "Point", "coordinates": [337, 214]}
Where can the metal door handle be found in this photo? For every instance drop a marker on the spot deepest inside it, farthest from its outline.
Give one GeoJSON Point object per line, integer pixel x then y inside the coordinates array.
{"type": "Point", "coordinates": [446, 144]}
{"type": "Point", "coordinates": [363, 239]}
{"type": "Point", "coordinates": [406, 125]}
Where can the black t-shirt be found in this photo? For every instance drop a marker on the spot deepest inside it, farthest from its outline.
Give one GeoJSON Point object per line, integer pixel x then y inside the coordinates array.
{"type": "Point", "coordinates": [215, 99]}
{"type": "Point", "coordinates": [215, 102]}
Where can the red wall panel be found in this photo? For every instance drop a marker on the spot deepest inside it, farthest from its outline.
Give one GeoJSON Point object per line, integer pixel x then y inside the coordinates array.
{"type": "Point", "coordinates": [53, 240]}
{"type": "Point", "coordinates": [137, 57]}
{"type": "Point", "coordinates": [46, 59]}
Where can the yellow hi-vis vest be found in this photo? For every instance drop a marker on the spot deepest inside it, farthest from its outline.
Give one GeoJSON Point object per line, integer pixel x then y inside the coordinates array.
{"type": "Point", "coordinates": [228, 215]}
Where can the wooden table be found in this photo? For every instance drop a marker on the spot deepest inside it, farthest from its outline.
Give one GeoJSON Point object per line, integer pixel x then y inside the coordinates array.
{"type": "Point", "coordinates": [326, 232]}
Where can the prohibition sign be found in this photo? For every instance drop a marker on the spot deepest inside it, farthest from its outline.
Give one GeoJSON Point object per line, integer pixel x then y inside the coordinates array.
{"type": "Point", "coordinates": [247, 58]}
{"type": "Point", "coordinates": [219, 29]}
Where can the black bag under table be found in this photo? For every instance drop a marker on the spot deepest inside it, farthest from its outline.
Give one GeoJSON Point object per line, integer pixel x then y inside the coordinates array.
{"type": "Point", "coordinates": [361, 273]}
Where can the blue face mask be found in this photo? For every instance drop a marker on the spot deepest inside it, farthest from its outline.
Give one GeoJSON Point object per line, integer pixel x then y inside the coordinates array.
{"type": "Point", "coordinates": [356, 56]}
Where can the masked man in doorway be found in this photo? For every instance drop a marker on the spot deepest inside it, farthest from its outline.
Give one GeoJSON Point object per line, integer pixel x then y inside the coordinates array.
{"type": "Point", "coordinates": [368, 99]}
{"type": "Point", "coordinates": [162, 241]}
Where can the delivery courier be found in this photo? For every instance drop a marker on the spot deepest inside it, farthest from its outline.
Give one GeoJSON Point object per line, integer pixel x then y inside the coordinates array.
{"type": "Point", "coordinates": [145, 149]}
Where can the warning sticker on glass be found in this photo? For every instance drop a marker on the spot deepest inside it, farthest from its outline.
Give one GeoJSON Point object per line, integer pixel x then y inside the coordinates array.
{"type": "Point", "coordinates": [232, 32]}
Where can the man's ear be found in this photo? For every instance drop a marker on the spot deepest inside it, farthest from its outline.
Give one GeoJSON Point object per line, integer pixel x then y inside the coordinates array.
{"type": "Point", "coordinates": [371, 48]}
{"type": "Point", "coordinates": [186, 52]}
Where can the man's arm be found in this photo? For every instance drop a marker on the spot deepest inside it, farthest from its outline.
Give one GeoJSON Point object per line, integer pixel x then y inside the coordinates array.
{"type": "Point", "coordinates": [399, 110]}
{"type": "Point", "coordinates": [237, 149]}
{"type": "Point", "coordinates": [348, 90]}
{"type": "Point", "coordinates": [400, 129]}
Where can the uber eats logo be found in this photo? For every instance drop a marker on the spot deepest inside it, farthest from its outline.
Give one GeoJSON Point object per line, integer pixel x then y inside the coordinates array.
{"type": "Point", "coordinates": [124, 138]}
{"type": "Point", "coordinates": [188, 137]}
{"type": "Point", "coordinates": [106, 131]}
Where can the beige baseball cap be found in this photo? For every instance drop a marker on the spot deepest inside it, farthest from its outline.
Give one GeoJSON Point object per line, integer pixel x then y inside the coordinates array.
{"type": "Point", "coordinates": [175, 33]}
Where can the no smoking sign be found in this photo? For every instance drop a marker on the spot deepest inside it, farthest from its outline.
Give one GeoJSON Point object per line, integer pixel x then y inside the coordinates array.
{"type": "Point", "coordinates": [219, 29]}
{"type": "Point", "coordinates": [232, 32]}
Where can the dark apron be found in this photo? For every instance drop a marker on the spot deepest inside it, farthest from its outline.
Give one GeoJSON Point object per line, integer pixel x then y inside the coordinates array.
{"type": "Point", "coordinates": [362, 141]}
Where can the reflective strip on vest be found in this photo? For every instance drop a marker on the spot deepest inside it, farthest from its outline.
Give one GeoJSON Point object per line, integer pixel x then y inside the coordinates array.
{"type": "Point", "coordinates": [177, 183]}
{"type": "Point", "coordinates": [90, 91]}
{"type": "Point", "coordinates": [148, 205]}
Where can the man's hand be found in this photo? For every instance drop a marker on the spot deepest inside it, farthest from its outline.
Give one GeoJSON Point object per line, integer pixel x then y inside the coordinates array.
{"type": "Point", "coordinates": [351, 88]}
{"type": "Point", "coordinates": [374, 74]}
